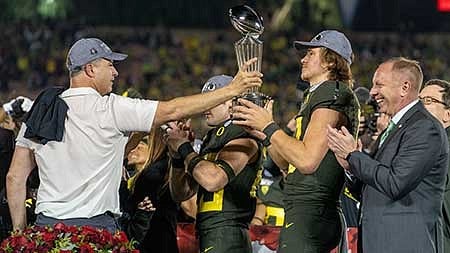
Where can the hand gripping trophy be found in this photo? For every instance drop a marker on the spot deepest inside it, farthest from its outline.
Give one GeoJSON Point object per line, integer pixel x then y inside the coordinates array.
{"type": "Point", "coordinates": [249, 24]}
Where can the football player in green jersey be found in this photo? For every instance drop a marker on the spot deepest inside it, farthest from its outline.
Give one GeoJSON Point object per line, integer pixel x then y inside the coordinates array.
{"type": "Point", "coordinates": [313, 221]}
{"type": "Point", "coordinates": [224, 175]}
{"type": "Point", "coordinates": [269, 203]}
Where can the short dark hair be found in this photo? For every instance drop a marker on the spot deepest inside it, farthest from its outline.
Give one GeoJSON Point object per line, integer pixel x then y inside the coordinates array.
{"type": "Point", "coordinates": [339, 68]}
{"type": "Point", "coordinates": [445, 92]}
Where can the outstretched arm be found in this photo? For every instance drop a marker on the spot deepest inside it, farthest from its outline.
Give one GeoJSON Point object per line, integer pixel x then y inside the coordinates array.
{"type": "Point", "coordinates": [183, 107]}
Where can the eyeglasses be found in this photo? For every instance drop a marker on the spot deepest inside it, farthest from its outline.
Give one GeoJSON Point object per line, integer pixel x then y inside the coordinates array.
{"type": "Point", "coordinates": [430, 100]}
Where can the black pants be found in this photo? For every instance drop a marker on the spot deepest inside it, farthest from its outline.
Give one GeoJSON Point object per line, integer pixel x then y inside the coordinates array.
{"type": "Point", "coordinates": [225, 240]}
{"type": "Point", "coordinates": [310, 230]}
{"type": "Point", "coordinates": [102, 221]}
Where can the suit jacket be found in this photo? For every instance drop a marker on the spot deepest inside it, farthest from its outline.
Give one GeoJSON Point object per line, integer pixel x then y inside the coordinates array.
{"type": "Point", "coordinates": [403, 187]}
{"type": "Point", "coordinates": [446, 208]}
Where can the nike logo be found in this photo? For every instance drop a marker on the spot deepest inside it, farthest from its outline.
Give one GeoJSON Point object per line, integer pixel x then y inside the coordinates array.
{"type": "Point", "coordinates": [207, 249]}
{"type": "Point", "coordinates": [288, 225]}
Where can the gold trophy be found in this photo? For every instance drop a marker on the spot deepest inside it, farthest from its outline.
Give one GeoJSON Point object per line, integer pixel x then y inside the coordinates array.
{"type": "Point", "coordinates": [250, 24]}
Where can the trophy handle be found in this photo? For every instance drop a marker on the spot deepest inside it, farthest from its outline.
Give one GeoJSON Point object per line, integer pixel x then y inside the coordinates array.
{"type": "Point", "coordinates": [250, 24]}
{"type": "Point", "coordinates": [255, 97]}
{"type": "Point", "coordinates": [246, 49]}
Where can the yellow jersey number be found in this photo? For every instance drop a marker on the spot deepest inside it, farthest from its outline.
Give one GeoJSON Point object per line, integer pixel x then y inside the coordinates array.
{"type": "Point", "coordinates": [215, 204]}
{"type": "Point", "coordinates": [298, 133]}
{"type": "Point", "coordinates": [214, 200]}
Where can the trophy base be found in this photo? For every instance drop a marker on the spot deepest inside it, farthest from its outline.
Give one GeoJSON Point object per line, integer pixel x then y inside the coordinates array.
{"type": "Point", "coordinates": [257, 98]}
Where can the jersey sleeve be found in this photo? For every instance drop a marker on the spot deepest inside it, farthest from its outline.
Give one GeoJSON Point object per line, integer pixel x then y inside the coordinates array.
{"type": "Point", "coordinates": [340, 98]}
{"type": "Point", "coordinates": [334, 96]}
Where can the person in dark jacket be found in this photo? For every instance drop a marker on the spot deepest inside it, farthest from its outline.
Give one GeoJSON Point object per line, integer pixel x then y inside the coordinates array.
{"type": "Point", "coordinates": [9, 113]}
{"type": "Point", "coordinates": [404, 179]}
{"type": "Point", "coordinates": [314, 181]}
{"type": "Point", "coordinates": [224, 175]}
{"type": "Point", "coordinates": [435, 96]}
{"type": "Point", "coordinates": [156, 232]}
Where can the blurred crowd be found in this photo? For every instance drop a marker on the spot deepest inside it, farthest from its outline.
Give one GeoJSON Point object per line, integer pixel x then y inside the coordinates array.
{"type": "Point", "coordinates": [166, 63]}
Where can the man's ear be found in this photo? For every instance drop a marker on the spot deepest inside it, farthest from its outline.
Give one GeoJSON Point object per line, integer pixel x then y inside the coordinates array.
{"type": "Point", "coordinates": [446, 117]}
{"type": "Point", "coordinates": [405, 88]}
{"type": "Point", "coordinates": [89, 70]}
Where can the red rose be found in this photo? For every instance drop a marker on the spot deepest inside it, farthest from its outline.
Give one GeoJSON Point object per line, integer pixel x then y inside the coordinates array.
{"type": "Point", "coordinates": [90, 234]}
{"type": "Point", "coordinates": [48, 237]}
{"type": "Point", "coordinates": [86, 239]}
{"type": "Point", "coordinates": [120, 237]}
{"type": "Point", "coordinates": [18, 241]}
{"type": "Point", "coordinates": [5, 242]}
{"type": "Point", "coordinates": [30, 245]}
{"type": "Point", "coordinates": [36, 229]}
{"type": "Point", "coordinates": [86, 248]}
{"type": "Point", "coordinates": [44, 248]}
{"type": "Point", "coordinates": [88, 229]}
{"type": "Point", "coordinates": [59, 226]}
{"type": "Point", "coordinates": [106, 237]}
{"type": "Point", "coordinates": [75, 238]}
{"type": "Point", "coordinates": [73, 229]}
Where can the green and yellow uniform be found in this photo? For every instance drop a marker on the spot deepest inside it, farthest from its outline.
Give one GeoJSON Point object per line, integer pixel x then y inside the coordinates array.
{"type": "Point", "coordinates": [312, 221]}
{"type": "Point", "coordinates": [223, 216]}
{"type": "Point", "coordinates": [271, 196]}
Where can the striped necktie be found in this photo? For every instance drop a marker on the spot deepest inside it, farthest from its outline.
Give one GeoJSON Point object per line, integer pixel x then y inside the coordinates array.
{"type": "Point", "coordinates": [386, 133]}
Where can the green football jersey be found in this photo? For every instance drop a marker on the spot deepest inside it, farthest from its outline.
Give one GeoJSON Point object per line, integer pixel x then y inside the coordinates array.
{"type": "Point", "coordinates": [325, 184]}
{"type": "Point", "coordinates": [270, 194]}
{"type": "Point", "coordinates": [234, 205]}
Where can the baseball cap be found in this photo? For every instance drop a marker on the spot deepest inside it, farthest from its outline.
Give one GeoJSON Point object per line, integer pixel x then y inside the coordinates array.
{"type": "Point", "coordinates": [86, 50]}
{"type": "Point", "coordinates": [216, 82]}
{"type": "Point", "coordinates": [331, 39]}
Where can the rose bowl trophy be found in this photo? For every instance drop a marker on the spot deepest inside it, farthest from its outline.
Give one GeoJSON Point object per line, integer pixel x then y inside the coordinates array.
{"type": "Point", "coordinates": [249, 24]}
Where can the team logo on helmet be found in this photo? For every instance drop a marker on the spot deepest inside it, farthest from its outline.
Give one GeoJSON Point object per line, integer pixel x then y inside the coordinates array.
{"type": "Point", "coordinates": [209, 86]}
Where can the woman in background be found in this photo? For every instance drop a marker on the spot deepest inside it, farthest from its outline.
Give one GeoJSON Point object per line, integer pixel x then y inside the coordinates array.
{"type": "Point", "coordinates": [151, 181]}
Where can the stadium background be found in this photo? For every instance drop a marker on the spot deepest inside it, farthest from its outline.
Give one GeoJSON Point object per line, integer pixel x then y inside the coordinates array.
{"type": "Point", "coordinates": [175, 45]}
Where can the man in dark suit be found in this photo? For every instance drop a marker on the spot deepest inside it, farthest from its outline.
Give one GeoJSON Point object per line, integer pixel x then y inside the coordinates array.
{"type": "Point", "coordinates": [435, 96]}
{"type": "Point", "coordinates": [404, 177]}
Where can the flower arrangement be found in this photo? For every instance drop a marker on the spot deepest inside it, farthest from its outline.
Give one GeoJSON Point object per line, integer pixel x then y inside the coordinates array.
{"type": "Point", "coordinates": [65, 239]}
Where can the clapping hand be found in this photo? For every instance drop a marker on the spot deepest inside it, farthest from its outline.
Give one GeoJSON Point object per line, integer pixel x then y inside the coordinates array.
{"type": "Point", "coordinates": [341, 142]}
